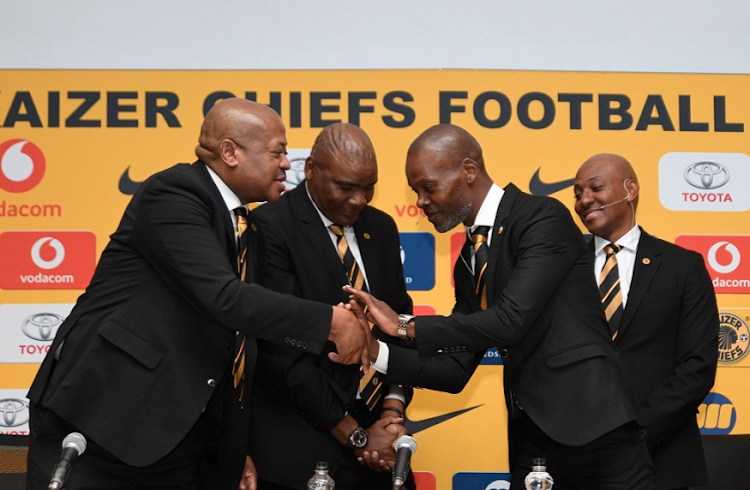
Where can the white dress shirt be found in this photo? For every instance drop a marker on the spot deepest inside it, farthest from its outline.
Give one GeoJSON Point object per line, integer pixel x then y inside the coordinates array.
{"type": "Point", "coordinates": [625, 258]}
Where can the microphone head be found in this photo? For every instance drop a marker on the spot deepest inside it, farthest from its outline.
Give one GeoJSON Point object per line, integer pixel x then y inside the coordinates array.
{"type": "Point", "coordinates": [76, 441]}
{"type": "Point", "coordinates": [406, 442]}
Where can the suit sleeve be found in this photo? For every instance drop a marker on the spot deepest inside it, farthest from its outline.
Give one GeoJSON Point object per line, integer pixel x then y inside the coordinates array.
{"type": "Point", "coordinates": [676, 400]}
{"type": "Point", "coordinates": [296, 375]}
{"type": "Point", "coordinates": [176, 236]}
{"type": "Point", "coordinates": [548, 246]}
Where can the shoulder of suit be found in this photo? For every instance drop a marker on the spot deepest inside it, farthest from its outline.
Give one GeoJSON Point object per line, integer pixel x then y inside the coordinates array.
{"type": "Point", "coordinates": [669, 249]}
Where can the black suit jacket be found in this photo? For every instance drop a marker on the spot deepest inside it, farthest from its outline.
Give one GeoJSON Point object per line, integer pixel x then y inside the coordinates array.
{"type": "Point", "coordinates": [668, 339]}
{"type": "Point", "coordinates": [299, 397]}
{"type": "Point", "coordinates": [151, 339]}
{"type": "Point", "coordinates": [545, 310]}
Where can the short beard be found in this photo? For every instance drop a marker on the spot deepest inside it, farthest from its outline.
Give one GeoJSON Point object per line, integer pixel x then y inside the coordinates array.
{"type": "Point", "coordinates": [458, 216]}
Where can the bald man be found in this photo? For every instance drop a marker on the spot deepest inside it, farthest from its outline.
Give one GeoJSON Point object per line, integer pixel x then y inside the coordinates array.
{"type": "Point", "coordinates": [663, 317]}
{"type": "Point", "coordinates": [144, 366]}
{"type": "Point", "coordinates": [524, 285]}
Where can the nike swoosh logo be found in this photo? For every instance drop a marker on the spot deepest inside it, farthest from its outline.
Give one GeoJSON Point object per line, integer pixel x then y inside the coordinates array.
{"type": "Point", "coordinates": [415, 426]}
{"type": "Point", "coordinates": [539, 188]}
{"type": "Point", "coordinates": [126, 185]}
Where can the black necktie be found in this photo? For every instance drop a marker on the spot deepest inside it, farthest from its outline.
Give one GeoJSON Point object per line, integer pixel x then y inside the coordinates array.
{"type": "Point", "coordinates": [238, 365]}
{"type": "Point", "coordinates": [480, 250]}
{"type": "Point", "coordinates": [609, 288]}
{"type": "Point", "coordinates": [370, 384]}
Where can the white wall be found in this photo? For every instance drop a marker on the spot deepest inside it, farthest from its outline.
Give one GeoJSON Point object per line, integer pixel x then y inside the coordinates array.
{"type": "Point", "coordinates": [696, 36]}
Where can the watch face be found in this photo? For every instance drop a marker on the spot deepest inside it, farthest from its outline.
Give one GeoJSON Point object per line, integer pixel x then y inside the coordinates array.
{"type": "Point", "coordinates": [358, 438]}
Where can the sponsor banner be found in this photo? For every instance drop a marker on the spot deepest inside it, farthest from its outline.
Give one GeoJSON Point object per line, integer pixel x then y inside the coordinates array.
{"type": "Point", "coordinates": [27, 330]}
{"type": "Point", "coordinates": [727, 260]}
{"type": "Point", "coordinates": [734, 337]}
{"type": "Point", "coordinates": [47, 259]}
{"type": "Point", "coordinates": [704, 181]}
{"type": "Point", "coordinates": [14, 412]}
{"type": "Point", "coordinates": [418, 257]}
{"type": "Point", "coordinates": [481, 481]}
{"type": "Point", "coordinates": [425, 480]}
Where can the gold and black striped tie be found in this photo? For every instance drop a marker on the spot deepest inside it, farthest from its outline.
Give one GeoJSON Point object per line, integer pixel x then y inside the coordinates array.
{"type": "Point", "coordinates": [609, 288]}
{"type": "Point", "coordinates": [238, 365]}
{"type": "Point", "coordinates": [370, 383]}
{"type": "Point", "coordinates": [481, 256]}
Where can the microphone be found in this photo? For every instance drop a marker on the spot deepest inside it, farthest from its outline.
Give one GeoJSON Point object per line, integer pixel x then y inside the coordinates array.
{"type": "Point", "coordinates": [73, 446]}
{"type": "Point", "coordinates": [405, 446]}
{"type": "Point", "coordinates": [613, 203]}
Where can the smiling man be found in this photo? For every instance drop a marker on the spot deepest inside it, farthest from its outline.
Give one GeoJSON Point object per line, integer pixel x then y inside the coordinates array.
{"type": "Point", "coordinates": [662, 314]}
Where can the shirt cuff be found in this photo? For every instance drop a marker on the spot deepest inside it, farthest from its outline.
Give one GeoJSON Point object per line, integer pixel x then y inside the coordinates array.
{"type": "Point", "coordinates": [381, 363]}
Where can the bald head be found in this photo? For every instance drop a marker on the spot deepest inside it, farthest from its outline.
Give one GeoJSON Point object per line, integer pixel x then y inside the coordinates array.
{"type": "Point", "coordinates": [449, 140]}
{"type": "Point", "coordinates": [239, 120]}
{"type": "Point", "coordinates": [606, 190]}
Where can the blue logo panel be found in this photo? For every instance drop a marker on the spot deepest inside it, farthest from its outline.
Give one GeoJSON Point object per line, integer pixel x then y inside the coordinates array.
{"type": "Point", "coordinates": [492, 357]}
{"type": "Point", "coordinates": [716, 415]}
{"type": "Point", "coordinates": [418, 257]}
{"type": "Point", "coordinates": [481, 481]}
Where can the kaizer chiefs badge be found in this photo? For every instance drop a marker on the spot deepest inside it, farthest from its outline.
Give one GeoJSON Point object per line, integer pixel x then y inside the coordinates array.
{"type": "Point", "coordinates": [734, 337]}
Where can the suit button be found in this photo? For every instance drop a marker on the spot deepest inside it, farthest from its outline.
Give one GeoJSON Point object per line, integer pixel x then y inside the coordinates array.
{"type": "Point", "coordinates": [304, 345]}
{"type": "Point", "coordinates": [504, 353]}
{"type": "Point", "coordinates": [286, 340]}
{"type": "Point", "coordinates": [211, 383]}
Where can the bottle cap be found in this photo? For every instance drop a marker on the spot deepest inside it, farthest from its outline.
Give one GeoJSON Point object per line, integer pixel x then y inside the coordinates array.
{"type": "Point", "coordinates": [322, 465]}
{"type": "Point", "coordinates": [540, 462]}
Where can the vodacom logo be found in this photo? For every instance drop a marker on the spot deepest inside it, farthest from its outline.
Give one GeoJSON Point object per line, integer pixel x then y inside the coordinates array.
{"type": "Point", "coordinates": [51, 262]}
{"type": "Point", "coordinates": [22, 165]}
{"type": "Point", "coordinates": [733, 251]}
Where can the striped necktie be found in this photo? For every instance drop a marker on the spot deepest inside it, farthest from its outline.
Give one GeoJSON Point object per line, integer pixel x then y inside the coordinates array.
{"type": "Point", "coordinates": [609, 288]}
{"type": "Point", "coordinates": [238, 364]}
{"type": "Point", "coordinates": [481, 254]}
{"type": "Point", "coordinates": [370, 383]}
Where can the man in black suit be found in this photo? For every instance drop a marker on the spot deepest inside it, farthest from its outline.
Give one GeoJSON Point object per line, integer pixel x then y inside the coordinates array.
{"type": "Point", "coordinates": [534, 297]}
{"type": "Point", "coordinates": [309, 407]}
{"type": "Point", "coordinates": [144, 366]}
{"type": "Point", "coordinates": [667, 325]}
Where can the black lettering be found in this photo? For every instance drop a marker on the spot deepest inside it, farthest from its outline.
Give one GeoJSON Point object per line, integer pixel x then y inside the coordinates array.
{"type": "Point", "coordinates": [686, 123]}
{"type": "Point", "coordinates": [355, 105]}
{"type": "Point", "coordinates": [575, 101]}
{"type": "Point", "coordinates": [275, 102]}
{"type": "Point", "coordinates": [654, 102]}
{"type": "Point", "coordinates": [389, 101]}
{"type": "Point", "coordinates": [606, 111]}
{"type": "Point", "coordinates": [53, 110]}
{"type": "Point", "coordinates": [317, 108]}
{"type": "Point", "coordinates": [214, 97]}
{"type": "Point", "coordinates": [114, 108]}
{"type": "Point", "coordinates": [171, 101]}
{"type": "Point", "coordinates": [548, 115]}
{"type": "Point", "coordinates": [720, 117]}
{"type": "Point", "coordinates": [75, 119]}
{"type": "Point", "coordinates": [295, 109]}
{"type": "Point", "coordinates": [480, 112]}
{"type": "Point", "coordinates": [29, 114]}
{"type": "Point", "coordinates": [447, 108]}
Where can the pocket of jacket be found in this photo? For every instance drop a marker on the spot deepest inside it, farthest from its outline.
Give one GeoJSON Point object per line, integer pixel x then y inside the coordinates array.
{"type": "Point", "coordinates": [140, 349]}
{"type": "Point", "coordinates": [574, 354]}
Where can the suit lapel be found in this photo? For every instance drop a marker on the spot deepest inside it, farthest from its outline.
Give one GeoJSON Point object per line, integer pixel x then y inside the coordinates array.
{"type": "Point", "coordinates": [368, 243]}
{"type": "Point", "coordinates": [647, 263]}
{"type": "Point", "coordinates": [219, 202]}
{"type": "Point", "coordinates": [317, 234]}
{"type": "Point", "coordinates": [498, 231]}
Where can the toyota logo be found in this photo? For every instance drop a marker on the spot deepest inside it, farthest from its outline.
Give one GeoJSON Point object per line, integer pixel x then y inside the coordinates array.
{"type": "Point", "coordinates": [707, 175]}
{"type": "Point", "coordinates": [13, 412]}
{"type": "Point", "coordinates": [42, 326]}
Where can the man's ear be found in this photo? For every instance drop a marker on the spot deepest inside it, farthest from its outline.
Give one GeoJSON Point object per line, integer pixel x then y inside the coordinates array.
{"type": "Point", "coordinates": [632, 188]}
{"type": "Point", "coordinates": [470, 169]}
{"type": "Point", "coordinates": [309, 165]}
{"type": "Point", "coordinates": [228, 152]}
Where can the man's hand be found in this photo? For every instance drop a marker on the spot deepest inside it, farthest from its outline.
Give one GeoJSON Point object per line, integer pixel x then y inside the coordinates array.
{"type": "Point", "coordinates": [379, 454]}
{"type": "Point", "coordinates": [249, 479]}
{"type": "Point", "coordinates": [350, 339]}
{"type": "Point", "coordinates": [377, 312]}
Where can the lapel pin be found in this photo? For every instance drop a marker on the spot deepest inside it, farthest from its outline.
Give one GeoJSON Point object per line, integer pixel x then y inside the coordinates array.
{"type": "Point", "coordinates": [252, 225]}
{"type": "Point", "coordinates": [646, 261]}
{"type": "Point", "coordinates": [366, 235]}
{"type": "Point", "coordinates": [500, 230]}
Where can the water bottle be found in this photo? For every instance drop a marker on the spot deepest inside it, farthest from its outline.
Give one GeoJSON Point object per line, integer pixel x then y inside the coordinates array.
{"type": "Point", "coordinates": [538, 478]}
{"type": "Point", "coordinates": [321, 480]}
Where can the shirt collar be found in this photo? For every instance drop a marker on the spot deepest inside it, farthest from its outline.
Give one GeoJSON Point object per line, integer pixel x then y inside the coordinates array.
{"type": "Point", "coordinates": [230, 198]}
{"type": "Point", "coordinates": [628, 241]}
{"type": "Point", "coordinates": [488, 209]}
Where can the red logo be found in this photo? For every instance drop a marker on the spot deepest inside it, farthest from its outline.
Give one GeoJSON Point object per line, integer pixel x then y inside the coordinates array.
{"type": "Point", "coordinates": [22, 165]}
{"type": "Point", "coordinates": [727, 259]}
{"type": "Point", "coordinates": [457, 243]}
{"type": "Point", "coordinates": [425, 480]}
{"type": "Point", "coordinates": [424, 310]}
{"type": "Point", "coordinates": [47, 259]}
